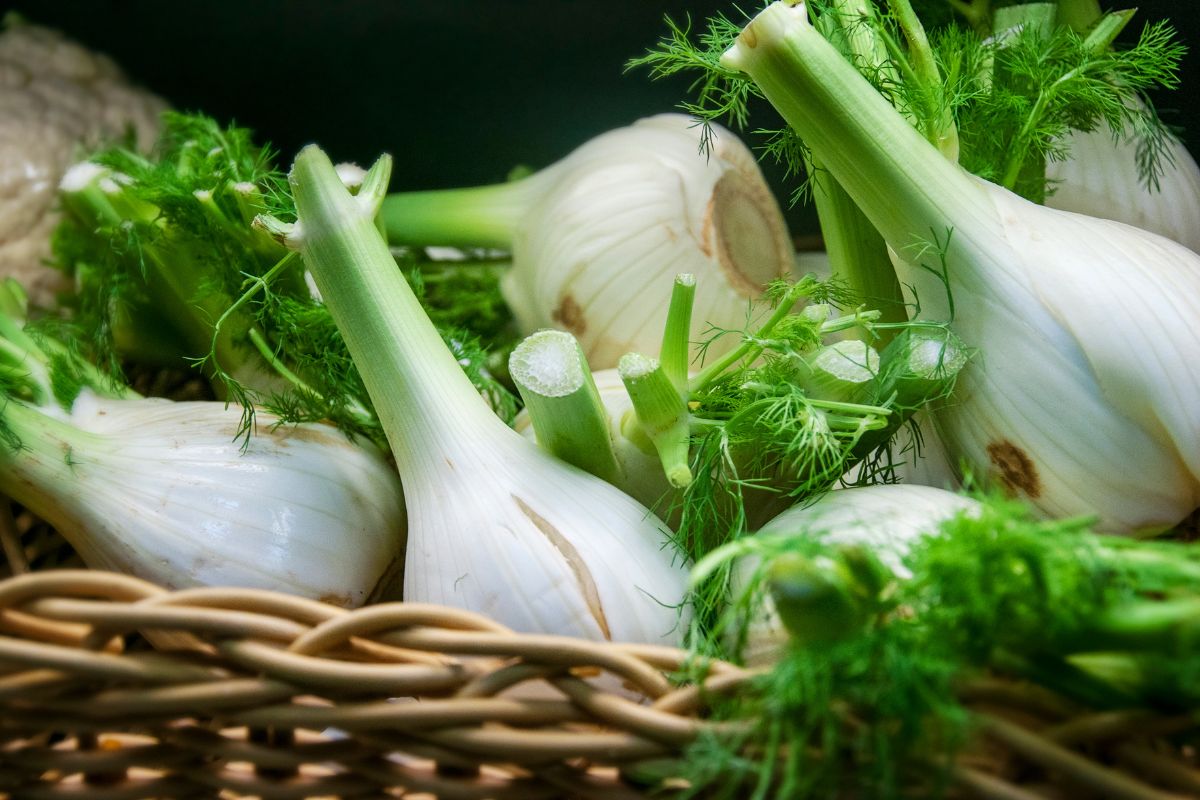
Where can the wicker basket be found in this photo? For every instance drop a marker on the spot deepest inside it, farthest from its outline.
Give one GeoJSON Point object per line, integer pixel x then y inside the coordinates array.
{"type": "Point", "coordinates": [257, 694]}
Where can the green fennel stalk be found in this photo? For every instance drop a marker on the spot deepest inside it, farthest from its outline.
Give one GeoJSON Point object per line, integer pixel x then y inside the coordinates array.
{"type": "Point", "coordinates": [861, 138]}
{"type": "Point", "coordinates": [483, 216]}
{"type": "Point", "coordinates": [661, 411]}
{"type": "Point", "coordinates": [563, 404]}
{"type": "Point", "coordinates": [338, 230]}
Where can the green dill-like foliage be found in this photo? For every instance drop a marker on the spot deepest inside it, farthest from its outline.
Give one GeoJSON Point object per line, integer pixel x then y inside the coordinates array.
{"type": "Point", "coordinates": [171, 269]}
{"type": "Point", "coordinates": [466, 296]}
{"type": "Point", "coordinates": [41, 365]}
{"type": "Point", "coordinates": [1004, 580]}
{"type": "Point", "coordinates": [720, 93]}
{"type": "Point", "coordinates": [873, 708]}
{"type": "Point", "coordinates": [994, 577]}
{"type": "Point", "coordinates": [760, 433]}
{"type": "Point", "coordinates": [1043, 86]}
{"type": "Point", "coordinates": [763, 440]}
{"type": "Point", "coordinates": [164, 250]}
{"type": "Point", "coordinates": [1011, 99]}
{"type": "Point", "coordinates": [871, 712]}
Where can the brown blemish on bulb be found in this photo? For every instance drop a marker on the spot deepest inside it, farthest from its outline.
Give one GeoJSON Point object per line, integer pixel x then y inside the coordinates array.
{"type": "Point", "coordinates": [583, 576]}
{"type": "Point", "coordinates": [1017, 472]}
{"type": "Point", "coordinates": [706, 227]}
{"type": "Point", "coordinates": [340, 600]}
{"type": "Point", "coordinates": [327, 436]}
{"type": "Point", "coordinates": [569, 315]}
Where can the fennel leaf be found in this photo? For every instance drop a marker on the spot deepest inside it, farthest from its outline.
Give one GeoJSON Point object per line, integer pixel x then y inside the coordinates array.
{"type": "Point", "coordinates": [1042, 86]}
{"type": "Point", "coordinates": [1011, 99]}
{"type": "Point", "coordinates": [170, 270]}
{"type": "Point", "coordinates": [874, 708]}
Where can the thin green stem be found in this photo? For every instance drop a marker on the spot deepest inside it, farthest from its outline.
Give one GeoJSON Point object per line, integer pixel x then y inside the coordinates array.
{"type": "Point", "coordinates": [938, 122]}
{"type": "Point", "coordinates": [908, 190]}
{"type": "Point", "coordinates": [257, 285]}
{"type": "Point", "coordinates": [662, 413]}
{"type": "Point", "coordinates": [857, 253]}
{"type": "Point", "coordinates": [856, 409]}
{"type": "Point", "coordinates": [1040, 19]}
{"type": "Point", "coordinates": [484, 216]}
{"type": "Point", "coordinates": [675, 344]}
{"type": "Point", "coordinates": [750, 348]}
{"type": "Point", "coordinates": [353, 408]}
{"type": "Point", "coordinates": [1018, 150]}
{"type": "Point", "coordinates": [268, 354]}
{"type": "Point", "coordinates": [1104, 32]}
{"type": "Point", "coordinates": [859, 319]}
{"type": "Point", "coordinates": [919, 50]}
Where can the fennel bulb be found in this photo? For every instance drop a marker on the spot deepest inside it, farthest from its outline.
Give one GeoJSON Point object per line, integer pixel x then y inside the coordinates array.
{"type": "Point", "coordinates": [164, 491]}
{"type": "Point", "coordinates": [1101, 179]}
{"type": "Point", "coordinates": [886, 519]}
{"type": "Point", "coordinates": [495, 525]}
{"type": "Point", "coordinates": [1084, 399]}
{"type": "Point", "coordinates": [597, 237]}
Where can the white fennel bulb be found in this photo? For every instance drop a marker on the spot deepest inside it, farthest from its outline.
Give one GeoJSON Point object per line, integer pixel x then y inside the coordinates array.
{"type": "Point", "coordinates": [597, 237]}
{"type": "Point", "coordinates": [164, 491]}
{"type": "Point", "coordinates": [495, 525]}
{"type": "Point", "coordinates": [1100, 178]}
{"type": "Point", "coordinates": [1083, 399]}
{"type": "Point", "coordinates": [886, 519]}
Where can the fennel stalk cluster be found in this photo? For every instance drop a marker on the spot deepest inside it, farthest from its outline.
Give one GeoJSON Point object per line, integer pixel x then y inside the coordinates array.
{"type": "Point", "coordinates": [1085, 323]}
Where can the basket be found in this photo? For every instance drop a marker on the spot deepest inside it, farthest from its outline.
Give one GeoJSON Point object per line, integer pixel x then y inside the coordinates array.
{"type": "Point", "coordinates": [259, 694]}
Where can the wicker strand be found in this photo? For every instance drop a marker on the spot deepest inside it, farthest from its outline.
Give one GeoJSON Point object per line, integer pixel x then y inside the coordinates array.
{"type": "Point", "coordinates": [265, 695]}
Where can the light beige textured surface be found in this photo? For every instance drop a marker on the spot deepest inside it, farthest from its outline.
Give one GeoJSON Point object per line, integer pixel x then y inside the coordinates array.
{"type": "Point", "coordinates": [57, 99]}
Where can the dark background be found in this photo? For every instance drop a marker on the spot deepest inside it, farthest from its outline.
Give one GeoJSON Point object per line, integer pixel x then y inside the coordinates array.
{"type": "Point", "coordinates": [459, 91]}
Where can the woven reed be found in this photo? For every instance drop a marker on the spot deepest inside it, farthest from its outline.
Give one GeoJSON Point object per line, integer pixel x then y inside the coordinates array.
{"type": "Point", "coordinates": [258, 694]}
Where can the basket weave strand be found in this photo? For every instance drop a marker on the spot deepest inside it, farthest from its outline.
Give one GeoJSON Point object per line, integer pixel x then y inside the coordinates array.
{"type": "Point", "coordinates": [256, 694]}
